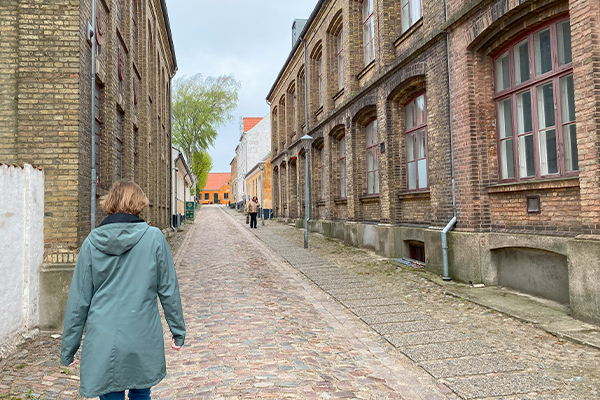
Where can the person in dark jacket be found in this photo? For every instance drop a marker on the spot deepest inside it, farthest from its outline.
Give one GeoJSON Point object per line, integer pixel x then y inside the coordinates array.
{"type": "Point", "coordinates": [122, 266]}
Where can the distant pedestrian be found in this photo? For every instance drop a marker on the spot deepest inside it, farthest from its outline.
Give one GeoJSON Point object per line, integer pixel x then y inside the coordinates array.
{"type": "Point", "coordinates": [123, 265]}
{"type": "Point", "coordinates": [253, 207]}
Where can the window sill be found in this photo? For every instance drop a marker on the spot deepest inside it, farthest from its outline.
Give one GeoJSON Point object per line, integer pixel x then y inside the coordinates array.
{"type": "Point", "coordinates": [320, 203]}
{"type": "Point", "coordinates": [425, 194]}
{"type": "Point", "coordinates": [370, 198]}
{"type": "Point", "coordinates": [341, 200]}
{"type": "Point", "coordinates": [319, 111]}
{"type": "Point", "coordinates": [338, 94]}
{"type": "Point", "coordinates": [365, 70]}
{"type": "Point", "coordinates": [409, 32]}
{"type": "Point", "coordinates": [557, 183]}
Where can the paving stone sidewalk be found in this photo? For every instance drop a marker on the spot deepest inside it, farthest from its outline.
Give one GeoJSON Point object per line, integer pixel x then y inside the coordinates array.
{"type": "Point", "coordinates": [477, 352]}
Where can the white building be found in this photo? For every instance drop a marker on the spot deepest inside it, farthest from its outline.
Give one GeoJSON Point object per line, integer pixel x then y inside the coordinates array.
{"type": "Point", "coordinates": [255, 145]}
{"type": "Point", "coordinates": [182, 182]}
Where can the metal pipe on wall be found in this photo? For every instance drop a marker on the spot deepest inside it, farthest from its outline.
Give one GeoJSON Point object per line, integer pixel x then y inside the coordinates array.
{"type": "Point", "coordinates": [452, 222]}
{"type": "Point", "coordinates": [93, 124]}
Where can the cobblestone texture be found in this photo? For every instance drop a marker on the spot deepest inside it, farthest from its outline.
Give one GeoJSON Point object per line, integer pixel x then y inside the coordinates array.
{"type": "Point", "coordinates": [258, 328]}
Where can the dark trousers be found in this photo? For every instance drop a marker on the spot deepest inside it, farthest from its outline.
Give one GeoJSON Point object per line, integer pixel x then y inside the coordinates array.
{"type": "Point", "coordinates": [253, 220]}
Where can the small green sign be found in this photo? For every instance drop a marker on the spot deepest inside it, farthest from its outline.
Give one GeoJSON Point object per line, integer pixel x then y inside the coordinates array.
{"type": "Point", "coordinates": [189, 210]}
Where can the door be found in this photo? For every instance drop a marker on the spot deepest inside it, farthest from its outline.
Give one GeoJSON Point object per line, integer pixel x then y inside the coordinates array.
{"type": "Point", "coordinates": [216, 198]}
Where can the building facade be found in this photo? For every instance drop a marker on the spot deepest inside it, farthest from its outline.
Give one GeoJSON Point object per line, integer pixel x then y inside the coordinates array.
{"type": "Point", "coordinates": [182, 182]}
{"type": "Point", "coordinates": [475, 117]}
{"type": "Point", "coordinates": [253, 147]}
{"type": "Point", "coordinates": [259, 184]}
{"type": "Point", "coordinates": [46, 97]}
{"type": "Point", "coordinates": [217, 189]}
{"type": "Point", "coordinates": [233, 183]}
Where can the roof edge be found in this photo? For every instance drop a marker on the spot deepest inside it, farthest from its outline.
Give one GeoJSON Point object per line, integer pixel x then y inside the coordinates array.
{"type": "Point", "coordinates": [163, 5]}
{"type": "Point", "coordinates": [309, 22]}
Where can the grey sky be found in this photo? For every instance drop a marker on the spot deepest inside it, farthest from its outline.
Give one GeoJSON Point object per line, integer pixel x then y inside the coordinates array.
{"type": "Point", "coordinates": [250, 39]}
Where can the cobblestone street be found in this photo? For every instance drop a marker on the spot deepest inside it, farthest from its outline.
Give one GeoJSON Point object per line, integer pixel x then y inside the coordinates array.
{"type": "Point", "coordinates": [268, 319]}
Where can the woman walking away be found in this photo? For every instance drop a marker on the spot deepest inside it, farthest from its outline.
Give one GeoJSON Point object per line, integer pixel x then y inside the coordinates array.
{"type": "Point", "coordinates": [122, 267]}
{"type": "Point", "coordinates": [253, 207]}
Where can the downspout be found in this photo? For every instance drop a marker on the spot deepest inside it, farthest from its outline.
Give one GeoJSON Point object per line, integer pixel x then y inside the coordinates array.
{"type": "Point", "coordinates": [171, 166]}
{"type": "Point", "coordinates": [93, 120]}
{"type": "Point", "coordinates": [450, 225]}
{"type": "Point", "coordinates": [306, 183]}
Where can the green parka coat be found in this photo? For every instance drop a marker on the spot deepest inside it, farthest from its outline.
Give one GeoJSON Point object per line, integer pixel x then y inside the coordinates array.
{"type": "Point", "coordinates": [121, 268]}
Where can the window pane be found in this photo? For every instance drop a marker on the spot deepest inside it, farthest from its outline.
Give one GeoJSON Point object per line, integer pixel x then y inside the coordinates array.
{"type": "Point", "coordinates": [410, 147]}
{"type": "Point", "coordinates": [526, 161]}
{"type": "Point", "coordinates": [405, 16]}
{"type": "Point", "coordinates": [343, 147]}
{"type": "Point", "coordinates": [375, 158]}
{"type": "Point", "coordinates": [410, 115]}
{"type": "Point", "coordinates": [422, 168]}
{"type": "Point", "coordinates": [570, 139]}
{"type": "Point", "coordinates": [505, 118]}
{"type": "Point", "coordinates": [376, 179]}
{"type": "Point", "coordinates": [415, 10]}
{"type": "Point", "coordinates": [502, 74]}
{"type": "Point", "coordinates": [564, 43]}
{"type": "Point", "coordinates": [543, 54]}
{"type": "Point", "coordinates": [375, 135]}
{"type": "Point", "coordinates": [412, 176]}
{"type": "Point", "coordinates": [521, 56]}
{"type": "Point", "coordinates": [567, 98]}
{"type": "Point", "coordinates": [420, 108]}
{"type": "Point", "coordinates": [421, 144]}
{"type": "Point", "coordinates": [507, 159]}
{"type": "Point", "coordinates": [370, 183]}
{"type": "Point", "coordinates": [545, 97]}
{"type": "Point", "coordinates": [548, 155]}
{"type": "Point", "coordinates": [524, 120]}
{"type": "Point", "coordinates": [369, 160]}
{"type": "Point", "coordinates": [369, 132]}
{"type": "Point", "coordinates": [343, 168]}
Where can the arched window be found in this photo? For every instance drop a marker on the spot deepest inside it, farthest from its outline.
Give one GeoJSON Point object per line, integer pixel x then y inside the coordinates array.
{"type": "Point", "coordinates": [368, 31]}
{"type": "Point", "coordinates": [343, 175]}
{"type": "Point", "coordinates": [416, 143]}
{"type": "Point", "coordinates": [535, 105]}
{"type": "Point", "coordinates": [372, 143]}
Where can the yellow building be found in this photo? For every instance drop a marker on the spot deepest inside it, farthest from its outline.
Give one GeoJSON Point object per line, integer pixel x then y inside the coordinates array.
{"type": "Point", "coordinates": [253, 186]}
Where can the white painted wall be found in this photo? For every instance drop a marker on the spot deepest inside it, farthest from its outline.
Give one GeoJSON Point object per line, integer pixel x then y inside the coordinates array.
{"type": "Point", "coordinates": [21, 248]}
{"type": "Point", "coordinates": [254, 146]}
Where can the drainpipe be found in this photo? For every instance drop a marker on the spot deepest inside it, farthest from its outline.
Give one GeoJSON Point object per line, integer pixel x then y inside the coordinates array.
{"type": "Point", "coordinates": [450, 225]}
{"type": "Point", "coordinates": [171, 166]}
{"type": "Point", "coordinates": [93, 116]}
{"type": "Point", "coordinates": [305, 87]}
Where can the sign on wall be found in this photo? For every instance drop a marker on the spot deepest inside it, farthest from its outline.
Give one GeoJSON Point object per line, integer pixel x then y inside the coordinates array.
{"type": "Point", "coordinates": [189, 210]}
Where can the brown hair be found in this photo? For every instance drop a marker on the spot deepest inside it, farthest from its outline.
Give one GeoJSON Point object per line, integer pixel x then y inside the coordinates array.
{"type": "Point", "coordinates": [124, 197]}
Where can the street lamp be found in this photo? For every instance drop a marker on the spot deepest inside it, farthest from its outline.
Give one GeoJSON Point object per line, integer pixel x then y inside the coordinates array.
{"type": "Point", "coordinates": [306, 141]}
{"type": "Point", "coordinates": [261, 166]}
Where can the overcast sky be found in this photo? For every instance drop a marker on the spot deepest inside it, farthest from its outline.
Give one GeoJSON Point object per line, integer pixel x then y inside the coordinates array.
{"type": "Point", "coordinates": [249, 39]}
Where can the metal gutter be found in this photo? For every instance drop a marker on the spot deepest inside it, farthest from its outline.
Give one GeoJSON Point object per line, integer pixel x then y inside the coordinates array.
{"type": "Point", "coordinates": [163, 5]}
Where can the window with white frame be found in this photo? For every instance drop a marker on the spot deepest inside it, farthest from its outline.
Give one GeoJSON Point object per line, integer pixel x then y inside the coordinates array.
{"type": "Point", "coordinates": [340, 60]}
{"type": "Point", "coordinates": [343, 176]}
{"type": "Point", "coordinates": [372, 142]}
{"type": "Point", "coordinates": [535, 105]}
{"type": "Point", "coordinates": [416, 143]}
{"type": "Point", "coordinates": [368, 31]}
{"type": "Point", "coordinates": [411, 13]}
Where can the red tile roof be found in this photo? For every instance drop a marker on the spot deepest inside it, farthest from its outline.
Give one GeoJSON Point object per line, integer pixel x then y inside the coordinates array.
{"type": "Point", "coordinates": [250, 122]}
{"type": "Point", "coordinates": [216, 180]}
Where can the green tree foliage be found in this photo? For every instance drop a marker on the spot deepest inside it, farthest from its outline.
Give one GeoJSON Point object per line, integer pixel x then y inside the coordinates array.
{"type": "Point", "coordinates": [200, 106]}
{"type": "Point", "coordinates": [202, 163]}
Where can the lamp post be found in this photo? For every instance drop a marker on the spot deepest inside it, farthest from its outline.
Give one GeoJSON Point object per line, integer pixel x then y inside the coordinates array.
{"type": "Point", "coordinates": [261, 166]}
{"type": "Point", "coordinates": [306, 141]}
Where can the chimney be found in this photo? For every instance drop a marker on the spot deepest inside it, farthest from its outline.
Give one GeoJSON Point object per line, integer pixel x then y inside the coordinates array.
{"type": "Point", "coordinates": [297, 28]}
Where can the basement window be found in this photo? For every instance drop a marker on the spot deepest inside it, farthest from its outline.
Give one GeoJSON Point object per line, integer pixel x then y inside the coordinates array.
{"type": "Point", "coordinates": [416, 250]}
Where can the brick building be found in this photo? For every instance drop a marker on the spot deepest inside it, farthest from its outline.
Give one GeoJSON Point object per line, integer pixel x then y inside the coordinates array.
{"type": "Point", "coordinates": [46, 91]}
{"type": "Point", "coordinates": [426, 116]}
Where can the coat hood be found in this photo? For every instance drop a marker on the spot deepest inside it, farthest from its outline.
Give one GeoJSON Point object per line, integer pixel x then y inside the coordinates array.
{"type": "Point", "coordinates": [116, 238]}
